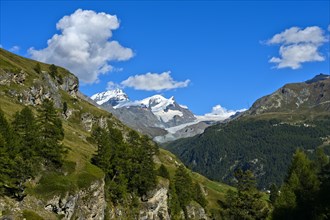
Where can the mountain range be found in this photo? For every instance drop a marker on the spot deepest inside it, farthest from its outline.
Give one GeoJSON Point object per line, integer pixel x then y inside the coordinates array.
{"type": "Point", "coordinates": [264, 137]}
{"type": "Point", "coordinates": [161, 118]}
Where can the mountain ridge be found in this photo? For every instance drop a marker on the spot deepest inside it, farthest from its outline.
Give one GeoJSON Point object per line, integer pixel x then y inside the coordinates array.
{"type": "Point", "coordinates": [159, 117]}
{"type": "Point", "coordinates": [264, 137]}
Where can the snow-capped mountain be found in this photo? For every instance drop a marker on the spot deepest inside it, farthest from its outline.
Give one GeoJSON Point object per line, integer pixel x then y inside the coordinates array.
{"type": "Point", "coordinates": [162, 118]}
{"type": "Point", "coordinates": [112, 97]}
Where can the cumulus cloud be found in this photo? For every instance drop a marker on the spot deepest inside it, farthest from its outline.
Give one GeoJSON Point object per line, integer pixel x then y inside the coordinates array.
{"type": "Point", "coordinates": [329, 27]}
{"type": "Point", "coordinates": [298, 46]}
{"type": "Point", "coordinates": [14, 49]}
{"type": "Point", "coordinates": [218, 113]}
{"type": "Point", "coordinates": [154, 82]}
{"type": "Point", "coordinates": [84, 46]}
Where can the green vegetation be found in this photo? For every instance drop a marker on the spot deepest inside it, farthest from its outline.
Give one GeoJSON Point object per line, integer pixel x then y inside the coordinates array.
{"type": "Point", "coordinates": [28, 144]}
{"type": "Point", "coordinates": [128, 165]}
{"type": "Point", "coordinates": [247, 202]}
{"type": "Point", "coordinates": [263, 146]}
{"type": "Point", "coordinates": [305, 193]}
{"type": "Point", "coordinates": [31, 215]}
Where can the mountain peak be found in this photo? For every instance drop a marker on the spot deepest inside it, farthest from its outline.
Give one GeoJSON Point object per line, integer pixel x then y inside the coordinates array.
{"type": "Point", "coordinates": [317, 78]}
{"type": "Point", "coordinates": [113, 96]}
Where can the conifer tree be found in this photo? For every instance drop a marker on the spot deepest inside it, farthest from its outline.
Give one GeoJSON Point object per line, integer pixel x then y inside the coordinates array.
{"type": "Point", "coordinates": [51, 134]}
{"type": "Point", "coordinates": [247, 202]}
{"type": "Point", "coordinates": [163, 172]}
{"type": "Point", "coordinates": [25, 128]}
{"type": "Point", "coordinates": [53, 70]}
{"type": "Point", "coordinates": [183, 187]}
{"type": "Point", "coordinates": [298, 194]}
{"type": "Point", "coordinates": [37, 68]}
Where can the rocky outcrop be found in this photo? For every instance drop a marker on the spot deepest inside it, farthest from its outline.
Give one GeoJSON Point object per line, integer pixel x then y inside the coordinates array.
{"type": "Point", "coordinates": [43, 87]}
{"type": "Point", "coordinates": [155, 205]}
{"type": "Point", "coordinates": [70, 85]}
{"type": "Point", "coordinates": [87, 203]}
{"type": "Point", "coordinates": [6, 78]}
{"type": "Point", "coordinates": [196, 212]}
{"type": "Point", "coordinates": [88, 120]}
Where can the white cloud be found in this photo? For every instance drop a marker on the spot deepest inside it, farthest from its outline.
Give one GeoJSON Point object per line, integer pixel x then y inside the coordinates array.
{"type": "Point", "coordinates": [218, 113]}
{"type": "Point", "coordinates": [84, 45]}
{"type": "Point", "coordinates": [294, 55]}
{"type": "Point", "coordinates": [329, 27]}
{"type": "Point", "coordinates": [298, 46]}
{"type": "Point", "coordinates": [14, 49]}
{"type": "Point", "coordinates": [154, 82]}
{"type": "Point", "coordinates": [295, 35]}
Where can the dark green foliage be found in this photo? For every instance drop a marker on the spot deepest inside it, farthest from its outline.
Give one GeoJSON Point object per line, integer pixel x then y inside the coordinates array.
{"type": "Point", "coordinates": [65, 108]}
{"type": "Point", "coordinates": [299, 193]}
{"type": "Point", "coordinates": [37, 68]}
{"type": "Point", "coordinates": [22, 148]}
{"type": "Point", "coordinates": [128, 166]}
{"type": "Point", "coordinates": [26, 131]}
{"type": "Point", "coordinates": [51, 133]}
{"type": "Point", "coordinates": [273, 193]}
{"type": "Point", "coordinates": [183, 187]}
{"type": "Point", "coordinates": [53, 70]}
{"type": "Point", "coordinates": [306, 191]}
{"type": "Point", "coordinates": [163, 172]}
{"type": "Point", "coordinates": [198, 195]}
{"type": "Point", "coordinates": [247, 202]}
{"type": "Point", "coordinates": [173, 202]}
{"type": "Point", "coordinates": [323, 198]}
{"type": "Point", "coordinates": [214, 152]}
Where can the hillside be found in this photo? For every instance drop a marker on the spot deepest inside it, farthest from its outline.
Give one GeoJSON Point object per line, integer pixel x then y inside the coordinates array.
{"type": "Point", "coordinates": [79, 189]}
{"type": "Point", "coordinates": [265, 137]}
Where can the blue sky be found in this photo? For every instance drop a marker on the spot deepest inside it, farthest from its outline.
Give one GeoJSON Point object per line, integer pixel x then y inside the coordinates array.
{"type": "Point", "coordinates": [204, 53]}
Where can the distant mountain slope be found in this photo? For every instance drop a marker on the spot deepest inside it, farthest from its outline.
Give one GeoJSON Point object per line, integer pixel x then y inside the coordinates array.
{"type": "Point", "coordinates": [264, 137]}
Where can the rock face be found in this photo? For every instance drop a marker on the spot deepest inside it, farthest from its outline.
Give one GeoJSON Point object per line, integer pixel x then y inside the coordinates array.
{"type": "Point", "coordinates": [40, 89]}
{"type": "Point", "coordinates": [87, 203]}
{"type": "Point", "coordinates": [196, 212]}
{"type": "Point", "coordinates": [155, 207]}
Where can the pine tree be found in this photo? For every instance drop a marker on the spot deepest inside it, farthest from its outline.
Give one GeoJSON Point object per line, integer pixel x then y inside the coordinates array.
{"type": "Point", "coordinates": [247, 202]}
{"type": "Point", "coordinates": [173, 202]}
{"type": "Point", "coordinates": [51, 134]}
{"type": "Point", "coordinates": [199, 195]}
{"type": "Point", "coordinates": [13, 168]}
{"type": "Point", "coordinates": [273, 193]}
{"type": "Point", "coordinates": [53, 70]}
{"type": "Point", "coordinates": [298, 194]}
{"type": "Point", "coordinates": [163, 172]}
{"type": "Point", "coordinates": [37, 68]}
{"type": "Point", "coordinates": [25, 128]}
{"type": "Point", "coordinates": [183, 187]}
